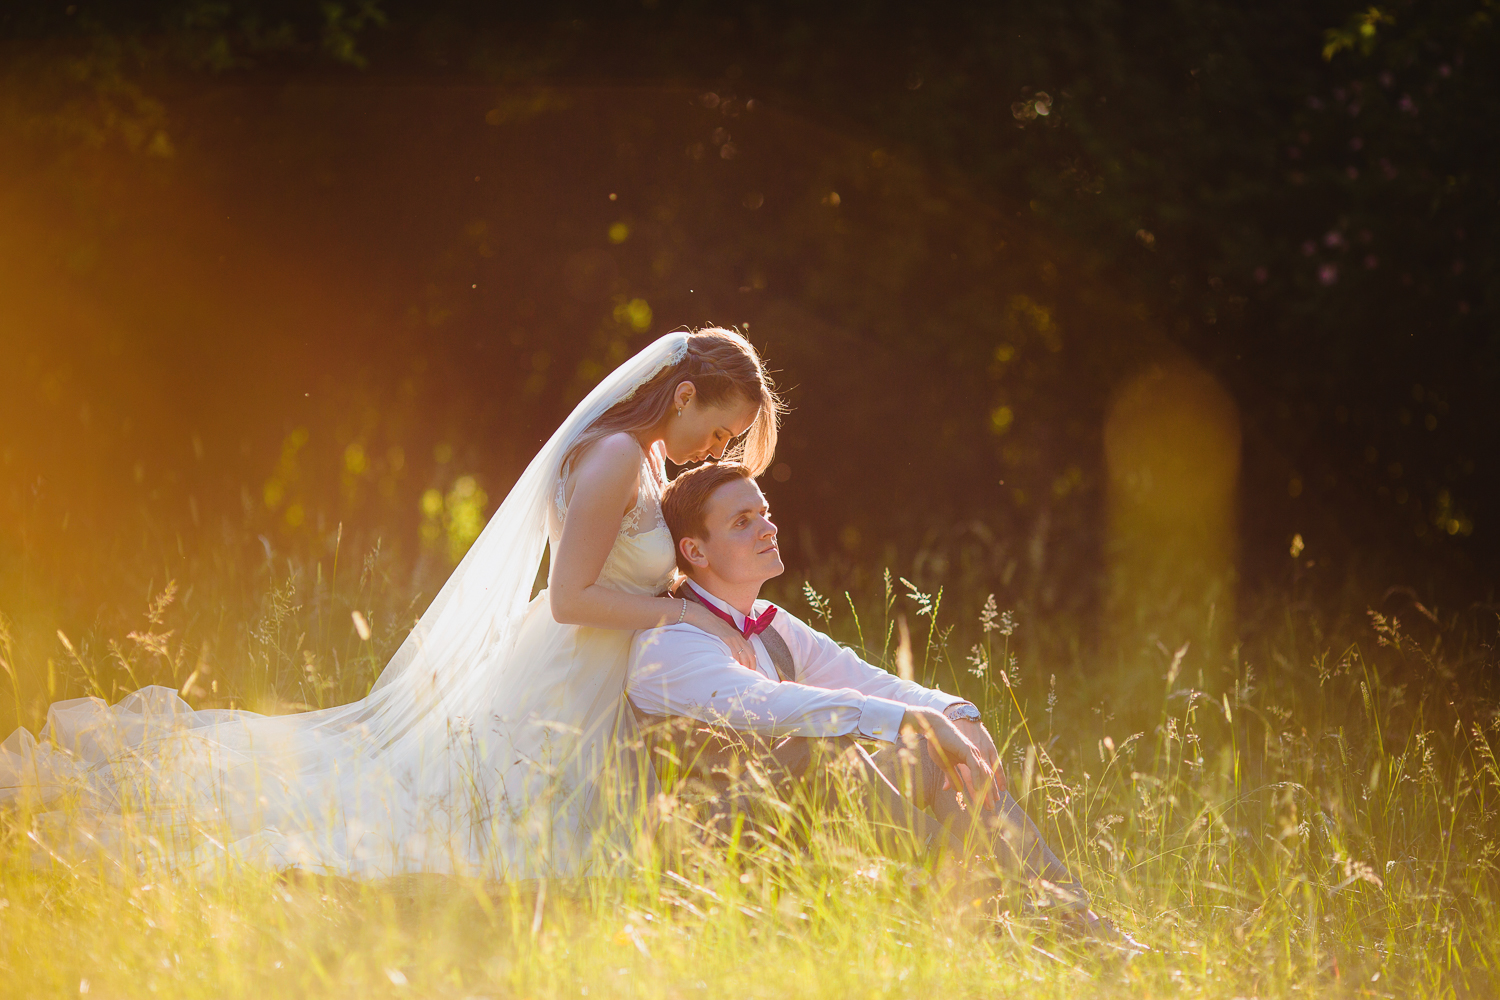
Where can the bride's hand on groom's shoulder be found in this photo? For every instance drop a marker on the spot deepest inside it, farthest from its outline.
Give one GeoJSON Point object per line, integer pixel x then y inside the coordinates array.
{"type": "Point", "coordinates": [739, 647]}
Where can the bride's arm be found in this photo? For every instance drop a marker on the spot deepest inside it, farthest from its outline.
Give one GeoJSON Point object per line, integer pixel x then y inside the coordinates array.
{"type": "Point", "coordinates": [605, 480]}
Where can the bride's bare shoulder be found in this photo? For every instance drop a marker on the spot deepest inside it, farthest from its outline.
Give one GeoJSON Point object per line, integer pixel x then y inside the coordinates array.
{"type": "Point", "coordinates": [613, 458]}
{"type": "Point", "coordinates": [613, 449]}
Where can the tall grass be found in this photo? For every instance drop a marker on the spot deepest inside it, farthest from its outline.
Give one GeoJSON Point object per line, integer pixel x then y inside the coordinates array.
{"type": "Point", "coordinates": [1315, 814]}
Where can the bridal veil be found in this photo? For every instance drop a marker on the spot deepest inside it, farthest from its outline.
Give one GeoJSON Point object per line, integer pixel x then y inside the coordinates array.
{"type": "Point", "coordinates": [402, 780]}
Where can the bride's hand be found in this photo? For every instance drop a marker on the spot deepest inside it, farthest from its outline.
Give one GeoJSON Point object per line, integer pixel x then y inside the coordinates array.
{"type": "Point", "coordinates": [700, 617]}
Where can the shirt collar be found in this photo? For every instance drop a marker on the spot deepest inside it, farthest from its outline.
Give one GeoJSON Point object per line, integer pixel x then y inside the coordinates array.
{"type": "Point", "coordinates": [739, 619]}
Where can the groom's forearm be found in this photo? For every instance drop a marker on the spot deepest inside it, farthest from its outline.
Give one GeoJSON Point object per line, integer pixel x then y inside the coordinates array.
{"type": "Point", "coordinates": [685, 672]}
{"type": "Point", "coordinates": [871, 680]}
{"type": "Point", "coordinates": [763, 706]}
{"type": "Point", "coordinates": [872, 718]}
{"type": "Point", "coordinates": [827, 664]}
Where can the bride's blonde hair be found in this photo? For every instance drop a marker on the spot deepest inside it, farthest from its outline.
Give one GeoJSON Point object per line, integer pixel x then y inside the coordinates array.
{"type": "Point", "coordinates": [720, 363]}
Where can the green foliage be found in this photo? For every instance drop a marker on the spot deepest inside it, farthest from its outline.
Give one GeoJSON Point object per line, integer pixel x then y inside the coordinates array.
{"type": "Point", "coordinates": [931, 254]}
{"type": "Point", "coordinates": [1357, 33]}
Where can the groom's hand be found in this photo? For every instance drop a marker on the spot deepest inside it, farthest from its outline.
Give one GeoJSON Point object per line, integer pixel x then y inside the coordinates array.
{"type": "Point", "coordinates": [974, 730]}
{"type": "Point", "coordinates": [959, 758]}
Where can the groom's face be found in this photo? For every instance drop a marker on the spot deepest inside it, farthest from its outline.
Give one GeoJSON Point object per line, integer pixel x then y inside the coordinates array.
{"type": "Point", "coordinates": [741, 543]}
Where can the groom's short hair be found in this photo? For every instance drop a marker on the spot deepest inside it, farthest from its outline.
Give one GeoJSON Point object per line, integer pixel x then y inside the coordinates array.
{"type": "Point", "coordinates": [685, 501]}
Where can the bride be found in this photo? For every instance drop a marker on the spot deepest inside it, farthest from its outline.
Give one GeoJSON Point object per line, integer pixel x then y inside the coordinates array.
{"type": "Point", "coordinates": [494, 740]}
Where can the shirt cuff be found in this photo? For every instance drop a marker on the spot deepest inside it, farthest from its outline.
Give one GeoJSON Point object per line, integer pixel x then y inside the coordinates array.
{"type": "Point", "coordinates": [880, 719]}
{"type": "Point", "coordinates": [942, 702]}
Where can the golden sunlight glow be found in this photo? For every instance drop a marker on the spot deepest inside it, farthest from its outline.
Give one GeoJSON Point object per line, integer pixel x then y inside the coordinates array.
{"type": "Point", "coordinates": [1172, 447]}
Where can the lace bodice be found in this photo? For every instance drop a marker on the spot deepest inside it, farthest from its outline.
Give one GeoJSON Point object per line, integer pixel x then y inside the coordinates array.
{"type": "Point", "coordinates": [642, 559]}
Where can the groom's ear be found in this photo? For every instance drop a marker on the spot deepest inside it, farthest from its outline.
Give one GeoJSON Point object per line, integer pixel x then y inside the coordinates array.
{"type": "Point", "coordinates": [691, 551]}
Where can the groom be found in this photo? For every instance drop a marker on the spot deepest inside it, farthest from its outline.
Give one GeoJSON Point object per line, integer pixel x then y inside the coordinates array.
{"type": "Point", "coordinates": [792, 721]}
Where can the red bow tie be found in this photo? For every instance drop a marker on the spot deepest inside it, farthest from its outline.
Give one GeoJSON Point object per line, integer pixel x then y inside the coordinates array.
{"type": "Point", "coordinates": [753, 626]}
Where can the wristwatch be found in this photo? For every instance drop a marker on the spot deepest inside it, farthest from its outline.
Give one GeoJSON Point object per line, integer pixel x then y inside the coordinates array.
{"type": "Point", "coordinates": [962, 712]}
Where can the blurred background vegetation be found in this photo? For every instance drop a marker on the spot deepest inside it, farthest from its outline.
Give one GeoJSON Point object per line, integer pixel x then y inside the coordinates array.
{"type": "Point", "coordinates": [292, 291]}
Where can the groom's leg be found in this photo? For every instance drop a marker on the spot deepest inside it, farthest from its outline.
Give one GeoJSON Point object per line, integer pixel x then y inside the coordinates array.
{"type": "Point", "coordinates": [830, 774]}
{"type": "Point", "coordinates": [900, 790]}
{"type": "Point", "coordinates": [1006, 832]}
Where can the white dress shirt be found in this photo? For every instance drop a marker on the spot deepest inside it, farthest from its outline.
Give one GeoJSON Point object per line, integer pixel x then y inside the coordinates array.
{"type": "Point", "coordinates": [680, 670]}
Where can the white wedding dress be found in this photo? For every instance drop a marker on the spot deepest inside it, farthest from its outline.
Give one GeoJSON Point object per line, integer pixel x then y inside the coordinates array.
{"type": "Point", "coordinates": [495, 742]}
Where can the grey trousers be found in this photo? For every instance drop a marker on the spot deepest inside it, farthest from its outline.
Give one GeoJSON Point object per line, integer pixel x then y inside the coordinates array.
{"type": "Point", "coordinates": [899, 788]}
{"type": "Point", "coordinates": [1003, 830]}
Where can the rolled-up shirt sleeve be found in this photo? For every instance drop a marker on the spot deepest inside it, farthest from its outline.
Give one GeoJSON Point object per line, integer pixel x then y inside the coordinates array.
{"type": "Point", "coordinates": [682, 671]}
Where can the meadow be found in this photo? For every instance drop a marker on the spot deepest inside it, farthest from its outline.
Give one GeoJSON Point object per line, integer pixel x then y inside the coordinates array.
{"type": "Point", "coordinates": [1313, 813]}
{"type": "Point", "coordinates": [223, 244]}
